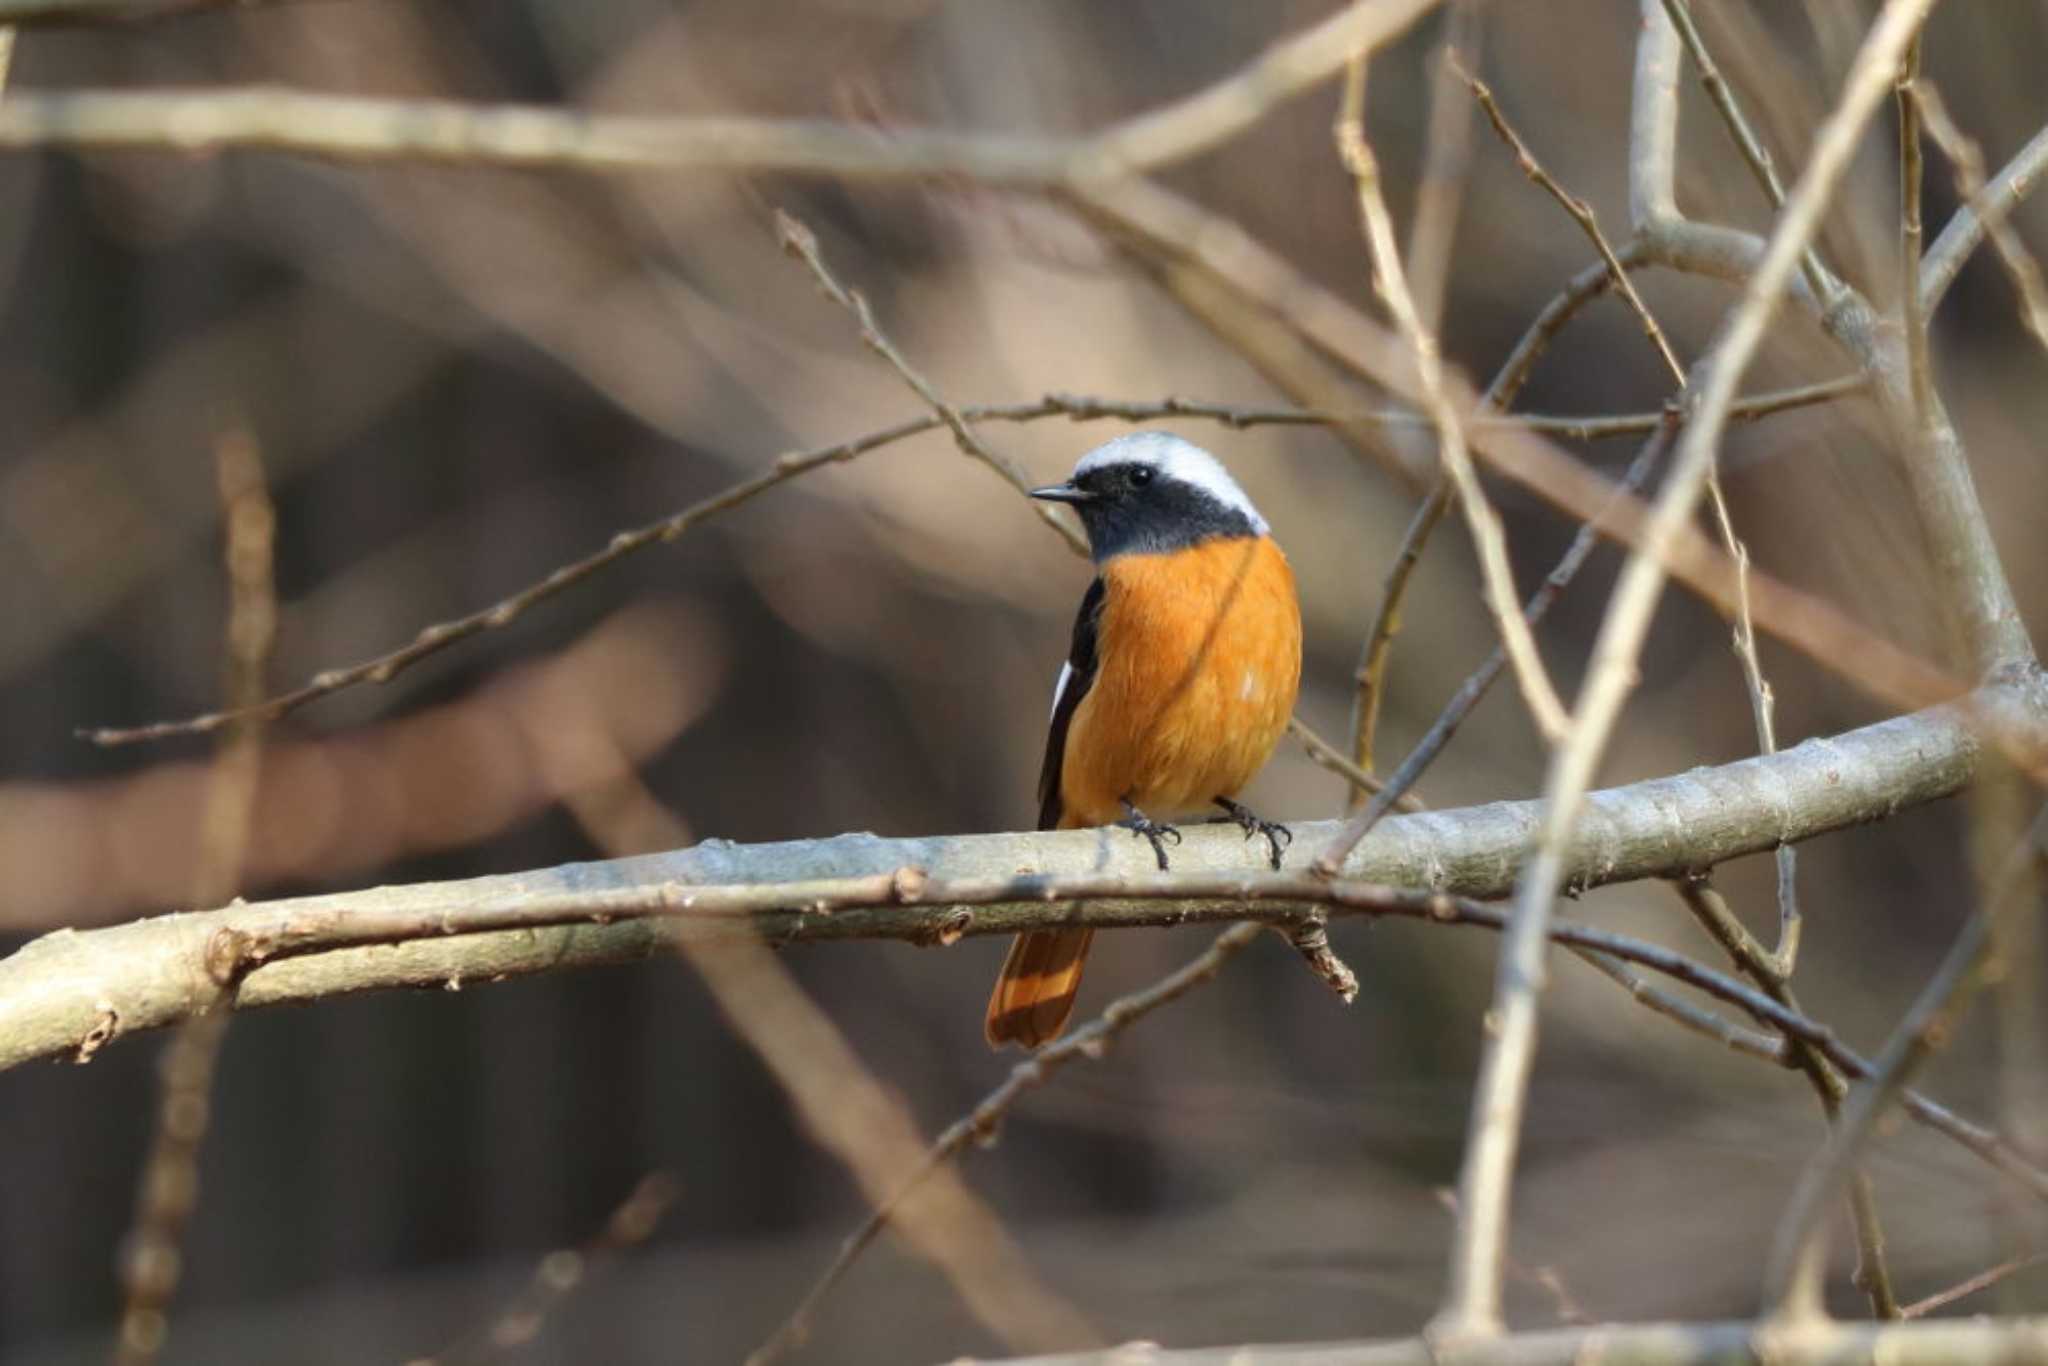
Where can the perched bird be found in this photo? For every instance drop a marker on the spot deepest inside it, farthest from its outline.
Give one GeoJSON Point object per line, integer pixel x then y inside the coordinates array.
{"type": "Point", "coordinates": [1185, 663]}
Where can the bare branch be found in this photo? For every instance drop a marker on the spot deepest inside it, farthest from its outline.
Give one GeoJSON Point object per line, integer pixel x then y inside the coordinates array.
{"type": "Point", "coordinates": [1581, 213]}
{"type": "Point", "coordinates": [1745, 627]}
{"type": "Point", "coordinates": [168, 1192]}
{"type": "Point", "coordinates": [1983, 1280]}
{"type": "Point", "coordinates": [1475, 686]}
{"type": "Point", "coordinates": [1975, 593]}
{"type": "Point", "coordinates": [561, 1273]}
{"type": "Point", "coordinates": [353, 128]}
{"type": "Point", "coordinates": [1327, 755]}
{"type": "Point", "coordinates": [1928, 1342]}
{"type": "Point", "coordinates": [1770, 972]}
{"type": "Point", "coordinates": [1792, 1278]}
{"type": "Point", "coordinates": [869, 1128]}
{"type": "Point", "coordinates": [1545, 707]}
{"type": "Point", "coordinates": [798, 241]}
{"type": "Point", "coordinates": [1754, 154]}
{"type": "Point", "coordinates": [1702, 1022]}
{"type": "Point", "coordinates": [1371, 675]}
{"type": "Point", "coordinates": [2004, 192]}
{"type": "Point", "coordinates": [1911, 234]}
{"type": "Point", "coordinates": [1472, 1306]}
{"type": "Point", "coordinates": [1191, 238]}
{"type": "Point", "coordinates": [1968, 160]}
{"type": "Point", "coordinates": [439, 636]}
{"type": "Point", "coordinates": [146, 974]}
{"type": "Point", "coordinates": [980, 1124]}
{"type": "Point", "coordinates": [66, 13]}
{"type": "Point", "coordinates": [1446, 161]}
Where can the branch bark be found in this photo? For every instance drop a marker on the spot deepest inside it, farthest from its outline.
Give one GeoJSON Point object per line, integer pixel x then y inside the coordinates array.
{"type": "Point", "coordinates": [71, 991]}
{"type": "Point", "coordinates": [368, 129]}
{"type": "Point", "coordinates": [1937, 1342]}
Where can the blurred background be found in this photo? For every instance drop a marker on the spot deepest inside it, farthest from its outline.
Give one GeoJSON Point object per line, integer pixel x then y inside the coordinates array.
{"type": "Point", "coordinates": [458, 380]}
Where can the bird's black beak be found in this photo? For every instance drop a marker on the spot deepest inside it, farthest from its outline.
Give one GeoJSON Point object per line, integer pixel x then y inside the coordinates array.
{"type": "Point", "coordinates": [1064, 493]}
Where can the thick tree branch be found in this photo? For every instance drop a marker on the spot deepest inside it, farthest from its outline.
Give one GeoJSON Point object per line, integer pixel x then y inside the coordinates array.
{"type": "Point", "coordinates": [1927, 1342]}
{"type": "Point", "coordinates": [354, 128]}
{"type": "Point", "coordinates": [66, 990]}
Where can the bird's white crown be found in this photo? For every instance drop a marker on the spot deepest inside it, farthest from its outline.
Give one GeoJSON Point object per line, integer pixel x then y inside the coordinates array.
{"type": "Point", "coordinates": [1175, 458]}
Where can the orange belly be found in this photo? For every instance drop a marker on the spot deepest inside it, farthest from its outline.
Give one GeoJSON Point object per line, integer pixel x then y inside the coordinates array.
{"type": "Point", "coordinates": [1200, 654]}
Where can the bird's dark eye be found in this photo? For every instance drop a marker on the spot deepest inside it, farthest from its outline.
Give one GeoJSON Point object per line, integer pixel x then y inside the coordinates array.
{"type": "Point", "coordinates": [1141, 475]}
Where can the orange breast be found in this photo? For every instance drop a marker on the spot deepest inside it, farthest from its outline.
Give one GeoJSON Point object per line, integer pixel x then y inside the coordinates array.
{"type": "Point", "coordinates": [1199, 656]}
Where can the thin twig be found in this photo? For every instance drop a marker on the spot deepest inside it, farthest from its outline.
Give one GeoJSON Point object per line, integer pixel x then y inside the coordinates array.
{"type": "Point", "coordinates": [561, 1273]}
{"type": "Point", "coordinates": [1475, 686]}
{"type": "Point", "coordinates": [1792, 1278]}
{"type": "Point", "coordinates": [1966, 230]}
{"type": "Point", "coordinates": [980, 1124]}
{"type": "Point", "coordinates": [1754, 154]}
{"type": "Point", "coordinates": [432, 639]}
{"type": "Point", "coordinates": [1581, 213]}
{"type": "Point", "coordinates": [1446, 161]}
{"type": "Point", "coordinates": [1080, 408]}
{"type": "Point", "coordinates": [1976, 595]}
{"type": "Point", "coordinates": [1371, 674]}
{"type": "Point", "coordinates": [1760, 697]}
{"type": "Point", "coordinates": [1968, 160]}
{"type": "Point", "coordinates": [1771, 973]}
{"type": "Point", "coordinates": [1754, 1043]}
{"type": "Point", "coordinates": [800, 242]}
{"type": "Point", "coordinates": [852, 1115]}
{"type": "Point", "coordinates": [1181, 240]}
{"type": "Point", "coordinates": [1311, 939]}
{"type": "Point", "coordinates": [439, 636]}
{"type": "Point", "coordinates": [1983, 1280]}
{"type": "Point", "coordinates": [151, 1258]}
{"type": "Point", "coordinates": [1911, 235]}
{"type": "Point", "coordinates": [1328, 756]}
{"type": "Point", "coordinates": [1768, 968]}
{"type": "Point", "coordinates": [1472, 1305]}
{"type": "Point", "coordinates": [1543, 1278]}
{"type": "Point", "coordinates": [1545, 707]}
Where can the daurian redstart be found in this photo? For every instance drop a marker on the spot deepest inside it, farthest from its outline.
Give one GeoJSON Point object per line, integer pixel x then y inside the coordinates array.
{"type": "Point", "coordinates": [1185, 663]}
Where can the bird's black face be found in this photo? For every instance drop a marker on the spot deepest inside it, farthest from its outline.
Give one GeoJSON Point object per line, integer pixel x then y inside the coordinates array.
{"type": "Point", "coordinates": [1133, 508]}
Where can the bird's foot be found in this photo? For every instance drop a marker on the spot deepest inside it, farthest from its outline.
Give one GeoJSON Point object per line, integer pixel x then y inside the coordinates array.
{"type": "Point", "coordinates": [1138, 823]}
{"type": "Point", "coordinates": [1278, 836]}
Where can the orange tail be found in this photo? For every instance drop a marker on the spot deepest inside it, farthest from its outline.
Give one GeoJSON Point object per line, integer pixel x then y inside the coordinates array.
{"type": "Point", "coordinates": [1035, 993]}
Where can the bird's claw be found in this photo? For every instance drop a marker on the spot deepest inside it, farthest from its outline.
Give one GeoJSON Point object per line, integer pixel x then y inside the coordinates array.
{"type": "Point", "coordinates": [1155, 833]}
{"type": "Point", "coordinates": [1278, 836]}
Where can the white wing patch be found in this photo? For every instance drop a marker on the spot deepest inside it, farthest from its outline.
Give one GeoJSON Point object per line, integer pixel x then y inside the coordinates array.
{"type": "Point", "coordinates": [1059, 689]}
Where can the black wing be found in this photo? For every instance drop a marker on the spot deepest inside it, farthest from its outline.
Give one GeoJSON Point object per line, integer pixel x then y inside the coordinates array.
{"type": "Point", "coordinates": [1074, 685]}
